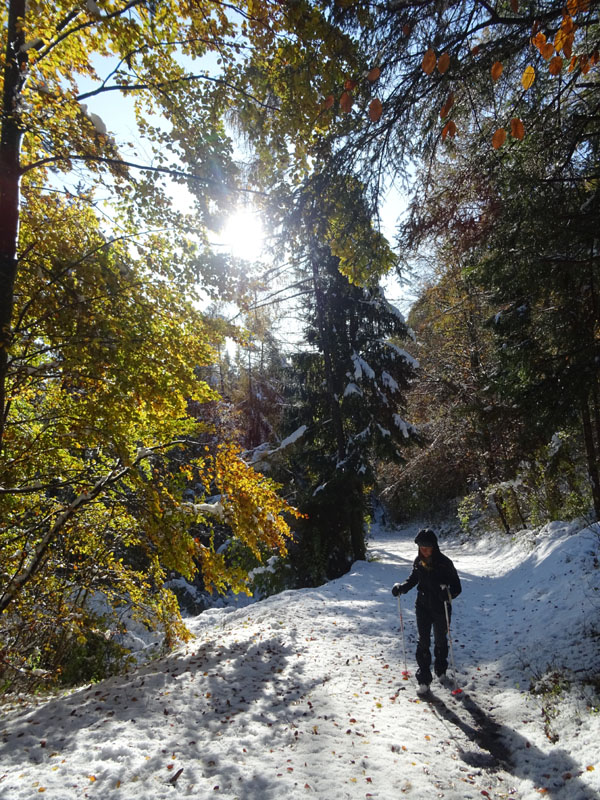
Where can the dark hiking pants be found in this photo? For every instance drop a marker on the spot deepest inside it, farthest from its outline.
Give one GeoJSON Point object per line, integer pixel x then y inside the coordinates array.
{"type": "Point", "coordinates": [426, 620]}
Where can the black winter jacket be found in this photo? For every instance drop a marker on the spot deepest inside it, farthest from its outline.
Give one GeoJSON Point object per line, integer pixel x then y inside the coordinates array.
{"type": "Point", "coordinates": [430, 578]}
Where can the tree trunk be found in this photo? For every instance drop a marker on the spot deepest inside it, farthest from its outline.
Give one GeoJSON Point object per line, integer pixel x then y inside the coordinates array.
{"type": "Point", "coordinates": [10, 175]}
{"type": "Point", "coordinates": [355, 519]}
{"type": "Point", "coordinates": [496, 497]}
{"type": "Point", "coordinates": [592, 456]}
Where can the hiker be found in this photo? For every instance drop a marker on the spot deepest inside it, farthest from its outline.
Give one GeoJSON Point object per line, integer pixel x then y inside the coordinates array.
{"type": "Point", "coordinates": [438, 583]}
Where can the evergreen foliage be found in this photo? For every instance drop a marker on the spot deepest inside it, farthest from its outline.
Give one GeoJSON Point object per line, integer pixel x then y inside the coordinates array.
{"type": "Point", "coordinates": [348, 392]}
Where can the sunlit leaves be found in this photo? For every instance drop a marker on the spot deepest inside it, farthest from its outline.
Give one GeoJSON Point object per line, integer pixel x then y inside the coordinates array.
{"type": "Point", "coordinates": [528, 77]}
{"type": "Point", "coordinates": [109, 342]}
{"type": "Point", "coordinates": [253, 510]}
{"type": "Point", "coordinates": [362, 250]}
{"type": "Point", "coordinates": [561, 39]}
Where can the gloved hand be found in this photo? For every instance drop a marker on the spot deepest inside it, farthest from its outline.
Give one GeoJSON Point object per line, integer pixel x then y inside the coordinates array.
{"type": "Point", "coordinates": [398, 588]}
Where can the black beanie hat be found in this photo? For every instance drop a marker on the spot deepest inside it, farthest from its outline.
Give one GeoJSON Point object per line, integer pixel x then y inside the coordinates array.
{"type": "Point", "coordinates": [426, 538]}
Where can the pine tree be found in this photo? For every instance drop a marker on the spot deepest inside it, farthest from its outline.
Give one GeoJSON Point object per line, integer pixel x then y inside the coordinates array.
{"type": "Point", "coordinates": [350, 381]}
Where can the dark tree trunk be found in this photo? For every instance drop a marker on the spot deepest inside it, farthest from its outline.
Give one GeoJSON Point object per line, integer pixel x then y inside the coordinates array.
{"type": "Point", "coordinates": [10, 175]}
{"type": "Point", "coordinates": [356, 521]}
{"type": "Point", "coordinates": [500, 509]}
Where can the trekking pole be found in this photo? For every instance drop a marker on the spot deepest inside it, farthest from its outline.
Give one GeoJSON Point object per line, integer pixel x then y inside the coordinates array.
{"type": "Point", "coordinates": [405, 672]}
{"type": "Point", "coordinates": [448, 603]}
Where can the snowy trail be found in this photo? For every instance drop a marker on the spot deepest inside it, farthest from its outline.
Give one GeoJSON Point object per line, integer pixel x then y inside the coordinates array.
{"type": "Point", "coordinates": [302, 696]}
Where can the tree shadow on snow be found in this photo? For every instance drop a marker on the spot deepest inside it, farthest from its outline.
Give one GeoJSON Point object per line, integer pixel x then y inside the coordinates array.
{"type": "Point", "coordinates": [500, 747]}
{"type": "Point", "coordinates": [180, 704]}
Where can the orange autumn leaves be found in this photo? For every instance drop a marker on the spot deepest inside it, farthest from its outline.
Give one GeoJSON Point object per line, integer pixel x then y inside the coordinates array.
{"type": "Point", "coordinates": [347, 97]}
{"type": "Point", "coordinates": [557, 53]}
{"type": "Point", "coordinates": [431, 62]}
{"type": "Point", "coordinates": [556, 50]}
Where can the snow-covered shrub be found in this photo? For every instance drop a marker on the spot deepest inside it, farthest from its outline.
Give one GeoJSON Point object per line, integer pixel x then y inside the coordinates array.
{"type": "Point", "coordinates": [270, 578]}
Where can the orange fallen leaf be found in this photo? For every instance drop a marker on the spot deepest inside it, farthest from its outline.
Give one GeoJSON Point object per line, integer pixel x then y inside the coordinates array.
{"type": "Point", "coordinates": [373, 74]}
{"type": "Point", "coordinates": [497, 68]}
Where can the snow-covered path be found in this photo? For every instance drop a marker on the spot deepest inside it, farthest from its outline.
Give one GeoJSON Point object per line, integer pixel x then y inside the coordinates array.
{"type": "Point", "coordinates": [302, 695]}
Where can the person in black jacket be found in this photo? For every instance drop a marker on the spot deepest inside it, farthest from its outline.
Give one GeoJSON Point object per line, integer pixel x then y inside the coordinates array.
{"type": "Point", "coordinates": [438, 584]}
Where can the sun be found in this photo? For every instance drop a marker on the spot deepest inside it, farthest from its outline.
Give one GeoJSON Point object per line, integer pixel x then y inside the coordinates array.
{"type": "Point", "coordinates": [243, 235]}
